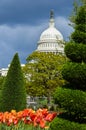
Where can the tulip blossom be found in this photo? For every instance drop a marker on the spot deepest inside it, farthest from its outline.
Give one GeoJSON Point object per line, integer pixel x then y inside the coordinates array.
{"type": "Point", "coordinates": [40, 118]}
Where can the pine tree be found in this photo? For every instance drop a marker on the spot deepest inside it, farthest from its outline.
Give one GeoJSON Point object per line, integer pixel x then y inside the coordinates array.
{"type": "Point", "coordinates": [72, 96]}
{"type": "Point", "coordinates": [14, 93]}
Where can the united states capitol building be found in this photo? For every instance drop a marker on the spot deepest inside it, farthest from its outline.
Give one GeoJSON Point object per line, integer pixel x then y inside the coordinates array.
{"type": "Point", "coordinates": [51, 40]}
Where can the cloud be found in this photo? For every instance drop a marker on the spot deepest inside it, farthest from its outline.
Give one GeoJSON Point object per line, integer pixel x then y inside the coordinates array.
{"type": "Point", "coordinates": [62, 25]}
{"type": "Point", "coordinates": [29, 12]}
{"type": "Point", "coordinates": [23, 21]}
{"type": "Point", "coordinates": [23, 39]}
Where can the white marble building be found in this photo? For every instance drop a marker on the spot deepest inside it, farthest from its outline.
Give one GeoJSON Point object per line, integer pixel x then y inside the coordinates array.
{"type": "Point", "coordinates": [3, 71]}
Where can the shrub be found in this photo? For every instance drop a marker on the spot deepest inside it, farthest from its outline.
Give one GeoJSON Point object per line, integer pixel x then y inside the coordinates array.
{"type": "Point", "coordinates": [84, 53]}
{"type": "Point", "coordinates": [75, 73]}
{"type": "Point", "coordinates": [73, 101]}
{"type": "Point", "coordinates": [74, 53]}
{"type": "Point", "coordinates": [79, 37]}
{"type": "Point", "coordinates": [62, 124]}
{"type": "Point", "coordinates": [13, 93]}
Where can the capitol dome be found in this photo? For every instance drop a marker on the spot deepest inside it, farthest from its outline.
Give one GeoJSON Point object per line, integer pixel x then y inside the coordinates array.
{"type": "Point", "coordinates": [51, 40]}
{"type": "Point", "coordinates": [51, 34]}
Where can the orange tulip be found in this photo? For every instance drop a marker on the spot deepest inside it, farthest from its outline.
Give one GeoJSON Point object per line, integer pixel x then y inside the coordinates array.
{"type": "Point", "coordinates": [50, 116]}
{"type": "Point", "coordinates": [37, 118]}
{"type": "Point", "coordinates": [42, 123]}
{"type": "Point", "coordinates": [1, 117]}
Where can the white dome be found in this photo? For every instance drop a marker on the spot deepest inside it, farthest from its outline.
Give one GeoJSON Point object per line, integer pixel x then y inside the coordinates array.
{"type": "Point", "coordinates": [51, 40]}
{"type": "Point", "coordinates": [51, 34]}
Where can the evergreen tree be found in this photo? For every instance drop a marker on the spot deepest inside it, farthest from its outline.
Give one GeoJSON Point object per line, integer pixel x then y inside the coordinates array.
{"type": "Point", "coordinates": [72, 96]}
{"type": "Point", "coordinates": [13, 92]}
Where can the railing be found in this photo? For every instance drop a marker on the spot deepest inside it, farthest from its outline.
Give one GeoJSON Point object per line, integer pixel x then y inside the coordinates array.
{"type": "Point", "coordinates": [39, 102]}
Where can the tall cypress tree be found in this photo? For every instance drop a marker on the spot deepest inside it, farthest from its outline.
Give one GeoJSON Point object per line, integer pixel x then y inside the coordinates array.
{"type": "Point", "coordinates": [72, 96]}
{"type": "Point", "coordinates": [14, 93]}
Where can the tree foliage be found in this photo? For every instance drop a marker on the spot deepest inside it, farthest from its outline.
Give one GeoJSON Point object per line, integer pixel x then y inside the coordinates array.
{"type": "Point", "coordinates": [76, 5]}
{"type": "Point", "coordinates": [1, 81]}
{"type": "Point", "coordinates": [13, 92]}
{"type": "Point", "coordinates": [43, 72]}
{"type": "Point", "coordinates": [72, 96]}
{"type": "Point", "coordinates": [79, 35]}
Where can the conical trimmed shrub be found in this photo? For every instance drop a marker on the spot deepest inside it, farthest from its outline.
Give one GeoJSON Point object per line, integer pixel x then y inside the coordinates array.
{"type": "Point", "coordinates": [14, 93]}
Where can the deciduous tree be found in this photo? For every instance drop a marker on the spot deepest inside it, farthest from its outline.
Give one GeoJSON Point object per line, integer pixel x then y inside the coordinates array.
{"type": "Point", "coordinates": [44, 73]}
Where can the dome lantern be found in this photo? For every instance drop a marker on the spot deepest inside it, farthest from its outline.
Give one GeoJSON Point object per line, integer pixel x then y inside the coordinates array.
{"type": "Point", "coordinates": [51, 14]}
{"type": "Point", "coordinates": [51, 22]}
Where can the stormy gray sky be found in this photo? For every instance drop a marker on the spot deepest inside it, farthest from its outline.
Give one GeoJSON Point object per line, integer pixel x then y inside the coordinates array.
{"type": "Point", "coordinates": [21, 24]}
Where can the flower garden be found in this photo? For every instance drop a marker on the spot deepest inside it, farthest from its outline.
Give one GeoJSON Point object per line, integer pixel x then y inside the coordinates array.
{"type": "Point", "coordinates": [27, 119]}
{"type": "Point", "coordinates": [70, 98]}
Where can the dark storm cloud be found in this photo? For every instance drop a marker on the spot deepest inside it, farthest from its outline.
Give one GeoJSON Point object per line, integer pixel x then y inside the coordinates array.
{"type": "Point", "coordinates": [21, 39]}
{"type": "Point", "coordinates": [21, 24]}
{"type": "Point", "coordinates": [31, 11]}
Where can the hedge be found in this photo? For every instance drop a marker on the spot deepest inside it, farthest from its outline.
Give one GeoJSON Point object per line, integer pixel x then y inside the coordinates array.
{"type": "Point", "coordinates": [72, 101]}
{"type": "Point", "coordinates": [75, 73]}
{"type": "Point", "coordinates": [77, 52]}
{"type": "Point", "coordinates": [62, 124]}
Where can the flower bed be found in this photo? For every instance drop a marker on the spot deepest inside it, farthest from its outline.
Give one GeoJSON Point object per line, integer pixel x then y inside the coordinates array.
{"type": "Point", "coordinates": [27, 119]}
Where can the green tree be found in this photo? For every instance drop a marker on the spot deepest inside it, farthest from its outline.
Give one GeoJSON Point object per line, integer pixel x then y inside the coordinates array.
{"type": "Point", "coordinates": [2, 78]}
{"type": "Point", "coordinates": [76, 5]}
{"type": "Point", "coordinates": [13, 92]}
{"type": "Point", "coordinates": [44, 73]}
{"type": "Point", "coordinates": [72, 96]}
{"type": "Point", "coordinates": [1, 85]}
